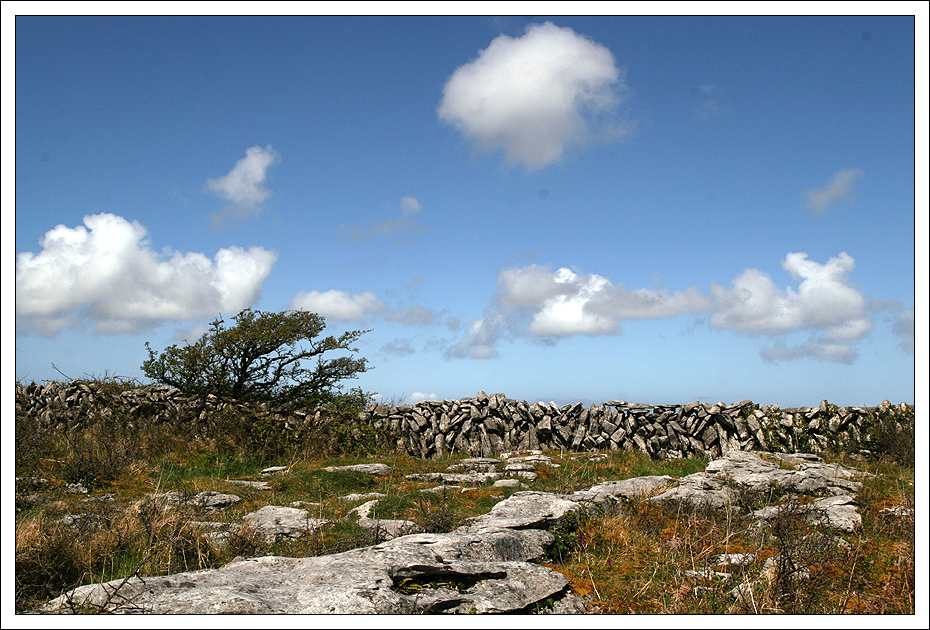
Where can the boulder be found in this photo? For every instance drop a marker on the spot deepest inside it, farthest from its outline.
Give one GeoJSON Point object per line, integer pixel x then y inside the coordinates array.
{"type": "Point", "coordinates": [209, 500]}
{"type": "Point", "coordinates": [377, 470]}
{"type": "Point", "coordinates": [275, 521]}
{"type": "Point", "coordinates": [487, 572]}
{"type": "Point", "coordinates": [635, 488]}
{"type": "Point", "coordinates": [525, 510]}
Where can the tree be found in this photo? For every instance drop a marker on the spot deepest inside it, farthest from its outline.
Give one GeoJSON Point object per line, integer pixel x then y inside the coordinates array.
{"type": "Point", "coordinates": [263, 358]}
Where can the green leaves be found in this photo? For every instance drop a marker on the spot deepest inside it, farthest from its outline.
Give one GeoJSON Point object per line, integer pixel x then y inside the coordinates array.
{"type": "Point", "coordinates": [264, 357]}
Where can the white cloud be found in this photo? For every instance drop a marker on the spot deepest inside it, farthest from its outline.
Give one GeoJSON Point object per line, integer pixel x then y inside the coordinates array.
{"type": "Point", "coordinates": [107, 272]}
{"type": "Point", "coordinates": [565, 303]}
{"type": "Point", "coordinates": [243, 185]}
{"type": "Point", "coordinates": [824, 303]}
{"type": "Point", "coordinates": [544, 304]}
{"type": "Point", "coordinates": [839, 188]}
{"type": "Point", "coordinates": [337, 305]}
{"type": "Point", "coordinates": [409, 206]}
{"type": "Point", "coordinates": [547, 305]}
{"type": "Point", "coordinates": [481, 337]}
{"type": "Point", "coordinates": [416, 397]}
{"type": "Point", "coordinates": [535, 96]}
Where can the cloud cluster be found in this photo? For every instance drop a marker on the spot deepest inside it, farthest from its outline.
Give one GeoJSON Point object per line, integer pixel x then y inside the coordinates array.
{"type": "Point", "coordinates": [536, 302]}
{"type": "Point", "coordinates": [839, 188]}
{"type": "Point", "coordinates": [106, 272]}
{"type": "Point", "coordinates": [340, 306]}
{"type": "Point", "coordinates": [535, 96]}
{"type": "Point", "coordinates": [546, 305]}
{"type": "Point", "coordinates": [565, 303]}
{"type": "Point", "coordinates": [824, 303]}
{"type": "Point", "coordinates": [243, 185]}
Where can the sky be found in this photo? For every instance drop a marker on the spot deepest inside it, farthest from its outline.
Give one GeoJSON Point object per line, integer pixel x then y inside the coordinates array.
{"type": "Point", "coordinates": [655, 209]}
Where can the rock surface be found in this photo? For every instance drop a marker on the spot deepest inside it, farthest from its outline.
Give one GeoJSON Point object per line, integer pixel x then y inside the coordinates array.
{"type": "Point", "coordinates": [275, 522]}
{"type": "Point", "coordinates": [485, 566]}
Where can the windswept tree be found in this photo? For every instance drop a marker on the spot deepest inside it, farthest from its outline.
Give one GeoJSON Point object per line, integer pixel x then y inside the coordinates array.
{"type": "Point", "coordinates": [264, 357]}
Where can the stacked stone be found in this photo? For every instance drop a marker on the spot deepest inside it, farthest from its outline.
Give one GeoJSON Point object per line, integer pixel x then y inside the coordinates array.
{"type": "Point", "coordinates": [486, 425]}
{"type": "Point", "coordinates": [489, 424]}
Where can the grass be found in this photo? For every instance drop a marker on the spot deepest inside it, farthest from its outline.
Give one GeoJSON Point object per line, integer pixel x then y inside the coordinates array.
{"type": "Point", "coordinates": [649, 559]}
{"type": "Point", "coordinates": [634, 557]}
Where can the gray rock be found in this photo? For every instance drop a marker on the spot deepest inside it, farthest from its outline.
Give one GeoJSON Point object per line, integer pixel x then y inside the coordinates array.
{"type": "Point", "coordinates": [209, 500]}
{"type": "Point", "coordinates": [635, 488]}
{"type": "Point", "coordinates": [275, 522]}
{"type": "Point", "coordinates": [360, 497]}
{"type": "Point", "coordinates": [377, 470]}
{"type": "Point", "coordinates": [837, 511]}
{"type": "Point", "coordinates": [454, 572]}
{"type": "Point", "coordinates": [699, 490]}
{"type": "Point", "coordinates": [841, 512]}
{"type": "Point", "coordinates": [471, 477]}
{"type": "Point", "coordinates": [523, 510]}
{"type": "Point", "coordinates": [273, 470]}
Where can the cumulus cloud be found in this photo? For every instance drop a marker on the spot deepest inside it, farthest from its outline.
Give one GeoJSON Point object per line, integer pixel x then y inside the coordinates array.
{"type": "Point", "coordinates": [404, 226]}
{"type": "Point", "coordinates": [337, 305]}
{"type": "Point", "coordinates": [535, 96]}
{"type": "Point", "coordinates": [825, 302]}
{"type": "Point", "coordinates": [243, 185]}
{"type": "Point", "coordinates": [481, 337]}
{"type": "Point", "coordinates": [839, 188]}
{"type": "Point", "coordinates": [565, 303]}
{"type": "Point", "coordinates": [105, 271]}
{"type": "Point", "coordinates": [416, 397]}
{"type": "Point", "coordinates": [543, 304]}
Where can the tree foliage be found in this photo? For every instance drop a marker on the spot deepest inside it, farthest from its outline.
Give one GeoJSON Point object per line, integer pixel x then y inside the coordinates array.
{"type": "Point", "coordinates": [264, 357]}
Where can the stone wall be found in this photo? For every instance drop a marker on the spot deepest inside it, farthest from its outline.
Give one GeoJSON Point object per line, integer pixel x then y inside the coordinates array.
{"type": "Point", "coordinates": [487, 425]}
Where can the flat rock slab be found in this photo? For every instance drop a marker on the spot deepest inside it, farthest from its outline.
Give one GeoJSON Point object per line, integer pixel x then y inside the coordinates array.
{"type": "Point", "coordinates": [469, 477]}
{"type": "Point", "coordinates": [838, 511]}
{"type": "Point", "coordinates": [377, 470]}
{"type": "Point", "coordinates": [717, 486]}
{"type": "Point", "coordinates": [275, 521]}
{"type": "Point", "coordinates": [360, 496]}
{"type": "Point", "coordinates": [635, 488]}
{"type": "Point", "coordinates": [525, 510]}
{"type": "Point", "coordinates": [454, 572]}
{"type": "Point", "coordinates": [209, 500]}
{"type": "Point", "coordinates": [485, 566]}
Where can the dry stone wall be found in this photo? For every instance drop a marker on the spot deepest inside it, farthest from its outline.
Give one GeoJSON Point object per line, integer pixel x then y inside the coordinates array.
{"type": "Point", "coordinates": [489, 424]}
{"type": "Point", "coordinates": [486, 425]}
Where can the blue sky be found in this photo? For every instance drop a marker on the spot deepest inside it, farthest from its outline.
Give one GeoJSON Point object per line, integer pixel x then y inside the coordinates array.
{"type": "Point", "coordinates": [653, 209]}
